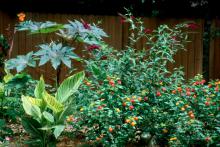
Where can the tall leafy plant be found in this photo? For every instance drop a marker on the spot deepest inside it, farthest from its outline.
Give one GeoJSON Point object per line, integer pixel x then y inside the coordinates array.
{"type": "Point", "coordinates": [56, 52]}
{"type": "Point", "coordinates": [47, 113]}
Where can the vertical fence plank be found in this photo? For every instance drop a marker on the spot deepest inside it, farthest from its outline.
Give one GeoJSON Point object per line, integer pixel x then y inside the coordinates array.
{"type": "Point", "coordinates": [118, 38]}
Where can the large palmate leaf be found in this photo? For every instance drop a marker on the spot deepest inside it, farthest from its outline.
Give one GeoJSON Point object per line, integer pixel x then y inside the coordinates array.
{"type": "Point", "coordinates": [56, 53]}
{"type": "Point", "coordinates": [69, 86]}
{"type": "Point", "coordinates": [21, 62]}
{"type": "Point", "coordinates": [39, 89]}
{"type": "Point", "coordinates": [52, 103]}
{"type": "Point", "coordinates": [82, 31]}
{"type": "Point", "coordinates": [39, 27]}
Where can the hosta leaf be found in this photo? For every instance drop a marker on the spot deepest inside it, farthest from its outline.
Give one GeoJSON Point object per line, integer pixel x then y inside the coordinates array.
{"type": "Point", "coordinates": [58, 130]}
{"type": "Point", "coordinates": [52, 103]}
{"type": "Point", "coordinates": [69, 86]}
{"type": "Point", "coordinates": [49, 117]}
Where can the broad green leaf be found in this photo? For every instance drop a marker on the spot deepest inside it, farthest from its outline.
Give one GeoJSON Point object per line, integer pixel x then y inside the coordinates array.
{"type": "Point", "coordinates": [35, 101]}
{"type": "Point", "coordinates": [48, 29]}
{"type": "Point", "coordinates": [31, 126]}
{"type": "Point", "coordinates": [40, 88]}
{"type": "Point", "coordinates": [8, 76]}
{"type": "Point", "coordinates": [30, 108]}
{"type": "Point", "coordinates": [52, 103]}
{"type": "Point", "coordinates": [58, 130]}
{"type": "Point", "coordinates": [48, 116]}
{"type": "Point", "coordinates": [69, 86]}
{"type": "Point", "coordinates": [46, 128]}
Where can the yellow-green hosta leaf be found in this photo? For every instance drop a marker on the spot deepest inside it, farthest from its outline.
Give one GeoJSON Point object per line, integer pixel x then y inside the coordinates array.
{"type": "Point", "coordinates": [30, 108]}
{"type": "Point", "coordinates": [40, 88]}
{"type": "Point", "coordinates": [69, 86]}
{"type": "Point", "coordinates": [34, 101]}
{"type": "Point", "coordinates": [52, 103]}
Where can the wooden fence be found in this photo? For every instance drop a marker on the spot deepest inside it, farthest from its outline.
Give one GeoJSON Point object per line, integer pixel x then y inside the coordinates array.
{"type": "Point", "coordinates": [118, 33]}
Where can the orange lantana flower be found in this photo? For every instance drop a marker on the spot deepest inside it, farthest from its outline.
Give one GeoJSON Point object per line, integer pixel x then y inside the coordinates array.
{"type": "Point", "coordinates": [21, 16]}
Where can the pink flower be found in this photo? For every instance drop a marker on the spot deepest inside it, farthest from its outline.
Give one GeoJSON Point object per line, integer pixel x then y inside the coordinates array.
{"type": "Point", "coordinates": [122, 20]}
{"type": "Point", "coordinates": [93, 47]}
{"type": "Point", "coordinates": [7, 138]}
{"type": "Point", "coordinates": [112, 83]}
{"type": "Point", "coordinates": [104, 58]}
{"type": "Point", "coordinates": [148, 31]}
{"type": "Point", "coordinates": [192, 26]}
{"type": "Point", "coordinates": [132, 17]}
{"type": "Point", "coordinates": [119, 82]}
{"type": "Point", "coordinates": [174, 38]}
{"type": "Point", "coordinates": [131, 107]}
{"type": "Point", "coordinates": [86, 25]}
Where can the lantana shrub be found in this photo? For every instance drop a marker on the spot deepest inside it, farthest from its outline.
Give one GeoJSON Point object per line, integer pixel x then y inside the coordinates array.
{"type": "Point", "coordinates": [130, 96]}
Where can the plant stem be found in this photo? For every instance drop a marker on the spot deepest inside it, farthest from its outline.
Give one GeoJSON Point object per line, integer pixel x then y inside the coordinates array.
{"type": "Point", "coordinates": [58, 76]}
{"type": "Point", "coordinates": [44, 139]}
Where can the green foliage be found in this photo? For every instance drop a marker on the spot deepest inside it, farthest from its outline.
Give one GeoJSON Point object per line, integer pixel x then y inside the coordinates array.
{"type": "Point", "coordinates": [4, 130]}
{"type": "Point", "coordinates": [4, 46]}
{"type": "Point", "coordinates": [198, 113]}
{"type": "Point", "coordinates": [3, 43]}
{"type": "Point", "coordinates": [39, 27]}
{"type": "Point", "coordinates": [12, 87]}
{"type": "Point", "coordinates": [83, 32]}
{"type": "Point", "coordinates": [130, 96]}
{"type": "Point", "coordinates": [48, 113]}
{"type": "Point", "coordinates": [68, 87]}
{"type": "Point", "coordinates": [56, 52]}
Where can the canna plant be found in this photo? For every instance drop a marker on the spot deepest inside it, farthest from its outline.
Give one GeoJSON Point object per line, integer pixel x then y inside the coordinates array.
{"type": "Point", "coordinates": [46, 113]}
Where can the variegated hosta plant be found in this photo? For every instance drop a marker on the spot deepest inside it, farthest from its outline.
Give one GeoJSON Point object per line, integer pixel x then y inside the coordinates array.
{"type": "Point", "coordinates": [47, 112]}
